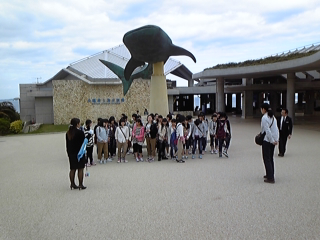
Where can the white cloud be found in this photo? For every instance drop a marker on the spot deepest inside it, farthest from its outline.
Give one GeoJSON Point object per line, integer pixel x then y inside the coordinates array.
{"type": "Point", "coordinates": [38, 38]}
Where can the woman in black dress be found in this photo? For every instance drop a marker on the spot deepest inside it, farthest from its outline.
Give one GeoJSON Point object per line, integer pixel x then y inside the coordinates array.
{"type": "Point", "coordinates": [74, 140]}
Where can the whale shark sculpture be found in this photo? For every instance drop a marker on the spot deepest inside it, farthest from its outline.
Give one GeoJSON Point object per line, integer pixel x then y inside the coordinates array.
{"type": "Point", "coordinates": [150, 44]}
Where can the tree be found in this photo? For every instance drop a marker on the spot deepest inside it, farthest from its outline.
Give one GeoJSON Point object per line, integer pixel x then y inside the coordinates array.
{"type": "Point", "coordinates": [8, 111]}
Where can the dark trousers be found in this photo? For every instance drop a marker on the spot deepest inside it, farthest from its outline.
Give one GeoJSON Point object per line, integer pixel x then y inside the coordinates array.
{"type": "Point", "coordinates": [174, 148]}
{"type": "Point", "coordinates": [89, 154]}
{"type": "Point", "coordinates": [204, 143]}
{"type": "Point", "coordinates": [112, 146]}
{"type": "Point", "coordinates": [195, 141]}
{"type": "Point", "coordinates": [221, 141]}
{"type": "Point", "coordinates": [137, 148]}
{"type": "Point", "coordinates": [213, 141]}
{"type": "Point", "coordinates": [267, 154]}
{"type": "Point", "coordinates": [282, 143]}
{"type": "Point", "coordinates": [161, 148]}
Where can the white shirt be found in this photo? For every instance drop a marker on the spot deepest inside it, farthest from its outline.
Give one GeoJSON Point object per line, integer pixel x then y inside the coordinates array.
{"type": "Point", "coordinates": [272, 133]}
{"type": "Point", "coordinates": [122, 137]}
{"type": "Point", "coordinates": [179, 130]}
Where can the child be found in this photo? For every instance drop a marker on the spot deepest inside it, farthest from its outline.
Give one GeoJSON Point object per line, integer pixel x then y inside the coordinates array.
{"type": "Point", "coordinates": [122, 136]}
{"type": "Point", "coordinates": [180, 138]}
{"type": "Point", "coordinates": [212, 132]}
{"type": "Point", "coordinates": [102, 141]}
{"type": "Point", "coordinates": [197, 135]}
{"type": "Point", "coordinates": [223, 133]}
{"type": "Point", "coordinates": [88, 133]}
{"type": "Point", "coordinates": [138, 139]}
{"type": "Point", "coordinates": [173, 139]}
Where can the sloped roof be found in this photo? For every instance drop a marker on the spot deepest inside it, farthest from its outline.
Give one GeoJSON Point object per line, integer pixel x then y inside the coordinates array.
{"type": "Point", "coordinates": [120, 55]}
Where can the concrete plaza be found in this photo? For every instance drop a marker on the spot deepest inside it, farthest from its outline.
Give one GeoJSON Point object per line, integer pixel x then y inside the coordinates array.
{"type": "Point", "coordinates": [212, 198]}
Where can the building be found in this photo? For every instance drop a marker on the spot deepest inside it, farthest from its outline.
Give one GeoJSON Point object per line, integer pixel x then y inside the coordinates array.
{"type": "Point", "coordinates": [87, 89]}
{"type": "Point", "coordinates": [276, 79]}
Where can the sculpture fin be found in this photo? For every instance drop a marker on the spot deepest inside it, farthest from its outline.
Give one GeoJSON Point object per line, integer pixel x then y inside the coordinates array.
{"type": "Point", "coordinates": [178, 51]}
{"type": "Point", "coordinates": [131, 66]}
{"type": "Point", "coordinates": [119, 71]}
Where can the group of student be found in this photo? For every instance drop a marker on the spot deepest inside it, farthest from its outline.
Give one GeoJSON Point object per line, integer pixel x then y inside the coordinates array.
{"type": "Point", "coordinates": [165, 137]}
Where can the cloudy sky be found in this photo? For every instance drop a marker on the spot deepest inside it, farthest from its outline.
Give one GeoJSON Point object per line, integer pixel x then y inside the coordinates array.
{"type": "Point", "coordinates": [39, 38]}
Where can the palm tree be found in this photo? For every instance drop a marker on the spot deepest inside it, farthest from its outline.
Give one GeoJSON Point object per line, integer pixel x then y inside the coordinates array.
{"type": "Point", "coordinates": [8, 111]}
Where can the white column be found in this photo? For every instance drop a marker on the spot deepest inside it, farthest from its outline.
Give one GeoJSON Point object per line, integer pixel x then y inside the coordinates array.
{"type": "Point", "coordinates": [291, 94]}
{"type": "Point", "coordinates": [220, 99]}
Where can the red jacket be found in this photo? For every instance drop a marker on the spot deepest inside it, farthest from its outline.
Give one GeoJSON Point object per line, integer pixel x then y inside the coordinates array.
{"type": "Point", "coordinates": [140, 138]}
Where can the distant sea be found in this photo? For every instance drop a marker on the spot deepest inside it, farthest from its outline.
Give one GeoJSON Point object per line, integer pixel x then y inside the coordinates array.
{"type": "Point", "coordinates": [15, 103]}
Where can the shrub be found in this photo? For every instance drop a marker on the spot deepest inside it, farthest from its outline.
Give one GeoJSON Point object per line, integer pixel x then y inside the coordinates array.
{"type": "Point", "coordinates": [4, 126]}
{"type": "Point", "coordinates": [16, 126]}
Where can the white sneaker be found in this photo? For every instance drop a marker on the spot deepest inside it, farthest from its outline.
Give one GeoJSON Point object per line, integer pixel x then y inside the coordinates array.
{"type": "Point", "coordinates": [141, 159]}
{"type": "Point", "coordinates": [104, 161]}
{"type": "Point", "coordinates": [137, 159]}
{"type": "Point", "coordinates": [186, 157]}
{"type": "Point", "coordinates": [100, 162]}
{"type": "Point", "coordinates": [109, 159]}
{"type": "Point", "coordinates": [125, 161]}
{"type": "Point", "coordinates": [128, 153]}
{"type": "Point", "coordinates": [215, 151]}
{"type": "Point", "coordinates": [211, 152]}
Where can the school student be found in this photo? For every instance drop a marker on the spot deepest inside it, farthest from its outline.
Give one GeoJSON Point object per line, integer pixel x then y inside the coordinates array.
{"type": "Point", "coordinates": [162, 133]}
{"type": "Point", "coordinates": [173, 140]}
{"type": "Point", "coordinates": [212, 132]}
{"type": "Point", "coordinates": [138, 139]}
{"type": "Point", "coordinates": [122, 136]}
{"type": "Point", "coordinates": [197, 135]}
{"type": "Point", "coordinates": [180, 137]}
{"type": "Point", "coordinates": [151, 131]}
{"type": "Point", "coordinates": [88, 133]}
{"type": "Point", "coordinates": [223, 133]}
{"type": "Point", "coordinates": [102, 133]}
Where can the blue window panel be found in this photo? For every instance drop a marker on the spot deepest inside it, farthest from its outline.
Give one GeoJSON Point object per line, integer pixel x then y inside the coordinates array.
{"type": "Point", "coordinates": [93, 100]}
{"type": "Point", "coordinates": [108, 100]}
{"type": "Point", "coordinates": [99, 100]}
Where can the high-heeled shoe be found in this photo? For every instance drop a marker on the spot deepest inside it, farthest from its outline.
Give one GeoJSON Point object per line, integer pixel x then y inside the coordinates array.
{"type": "Point", "coordinates": [73, 187]}
{"type": "Point", "coordinates": [82, 187]}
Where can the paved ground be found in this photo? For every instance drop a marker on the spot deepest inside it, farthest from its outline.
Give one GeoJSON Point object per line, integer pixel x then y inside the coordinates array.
{"type": "Point", "coordinates": [210, 198]}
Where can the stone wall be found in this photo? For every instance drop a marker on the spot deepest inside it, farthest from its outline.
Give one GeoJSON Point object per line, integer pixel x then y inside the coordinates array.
{"type": "Point", "coordinates": [70, 99]}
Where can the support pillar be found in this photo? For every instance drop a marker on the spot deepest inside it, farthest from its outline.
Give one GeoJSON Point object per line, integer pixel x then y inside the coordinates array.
{"type": "Point", "coordinates": [158, 91]}
{"type": "Point", "coordinates": [291, 95]}
{"type": "Point", "coordinates": [309, 102]}
{"type": "Point", "coordinates": [238, 102]}
{"type": "Point", "coordinates": [247, 101]}
{"type": "Point", "coordinates": [274, 101]}
{"type": "Point", "coordinates": [229, 101]}
{"type": "Point", "coordinates": [190, 83]}
{"type": "Point", "coordinates": [220, 99]}
{"type": "Point", "coordinates": [170, 103]}
{"type": "Point", "coordinates": [247, 104]}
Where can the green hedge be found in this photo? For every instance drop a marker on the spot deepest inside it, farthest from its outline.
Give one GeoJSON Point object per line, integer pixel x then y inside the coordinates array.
{"type": "Point", "coordinates": [16, 126]}
{"type": "Point", "coordinates": [4, 126]}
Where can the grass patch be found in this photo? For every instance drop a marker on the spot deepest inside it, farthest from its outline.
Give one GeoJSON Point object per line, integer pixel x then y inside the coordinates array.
{"type": "Point", "coordinates": [50, 128]}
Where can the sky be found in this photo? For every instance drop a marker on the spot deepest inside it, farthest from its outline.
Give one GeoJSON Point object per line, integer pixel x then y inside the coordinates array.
{"type": "Point", "coordinates": [38, 37]}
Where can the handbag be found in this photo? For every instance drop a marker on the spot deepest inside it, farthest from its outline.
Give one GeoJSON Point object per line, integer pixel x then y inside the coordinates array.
{"type": "Point", "coordinates": [260, 136]}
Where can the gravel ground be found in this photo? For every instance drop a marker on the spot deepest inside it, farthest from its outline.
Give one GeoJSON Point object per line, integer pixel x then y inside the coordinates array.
{"type": "Point", "coordinates": [212, 198]}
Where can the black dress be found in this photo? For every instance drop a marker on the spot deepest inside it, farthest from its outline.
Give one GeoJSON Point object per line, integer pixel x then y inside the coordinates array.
{"type": "Point", "coordinates": [73, 148]}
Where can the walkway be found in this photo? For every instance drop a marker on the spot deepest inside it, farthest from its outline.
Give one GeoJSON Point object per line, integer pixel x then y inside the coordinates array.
{"type": "Point", "coordinates": [210, 198]}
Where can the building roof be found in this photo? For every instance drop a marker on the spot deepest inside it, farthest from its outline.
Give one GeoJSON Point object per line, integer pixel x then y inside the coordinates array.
{"type": "Point", "coordinates": [306, 65]}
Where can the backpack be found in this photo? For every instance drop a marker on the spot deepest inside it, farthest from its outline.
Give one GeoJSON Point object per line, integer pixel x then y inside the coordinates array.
{"type": "Point", "coordinates": [221, 133]}
{"type": "Point", "coordinates": [173, 138]}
